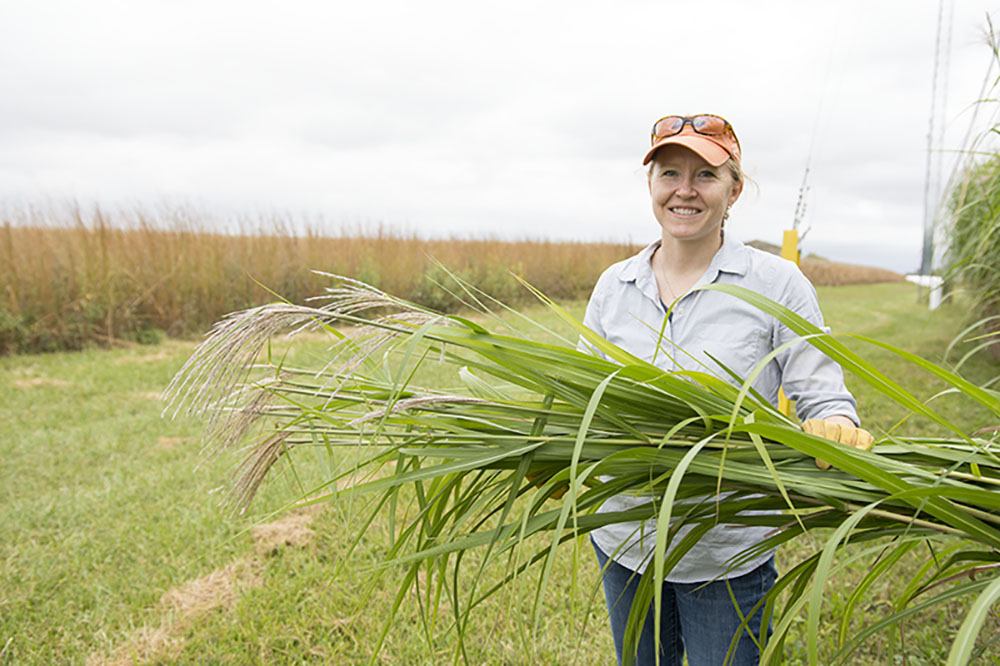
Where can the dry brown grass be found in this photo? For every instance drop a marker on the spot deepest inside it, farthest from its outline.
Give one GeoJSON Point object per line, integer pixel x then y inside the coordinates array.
{"type": "Point", "coordinates": [179, 607]}
{"type": "Point", "coordinates": [169, 443]}
{"type": "Point", "coordinates": [824, 273]}
{"type": "Point", "coordinates": [292, 530]}
{"type": "Point", "coordinates": [32, 382]}
{"type": "Point", "coordinates": [144, 358]}
{"type": "Point", "coordinates": [71, 278]}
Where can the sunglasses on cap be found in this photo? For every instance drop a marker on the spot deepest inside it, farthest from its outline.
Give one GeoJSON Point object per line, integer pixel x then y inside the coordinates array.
{"type": "Point", "coordinates": [705, 123]}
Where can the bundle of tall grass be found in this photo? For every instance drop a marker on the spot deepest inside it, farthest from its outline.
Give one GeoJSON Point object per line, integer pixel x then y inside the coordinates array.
{"type": "Point", "coordinates": [486, 463]}
{"type": "Point", "coordinates": [70, 278]}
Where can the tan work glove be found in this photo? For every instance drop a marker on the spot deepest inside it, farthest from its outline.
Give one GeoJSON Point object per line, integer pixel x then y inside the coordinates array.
{"type": "Point", "coordinates": [859, 438]}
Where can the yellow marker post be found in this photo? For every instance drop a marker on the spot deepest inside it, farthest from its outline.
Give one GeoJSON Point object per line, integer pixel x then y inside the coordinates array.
{"type": "Point", "coordinates": [790, 245]}
{"type": "Point", "coordinates": [790, 251]}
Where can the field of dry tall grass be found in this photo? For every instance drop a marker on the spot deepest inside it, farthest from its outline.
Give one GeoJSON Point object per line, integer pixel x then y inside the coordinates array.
{"type": "Point", "coordinates": [823, 272]}
{"type": "Point", "coordinates": [75, 277]}
{"type": "Point", "coordinates": [70, 278]}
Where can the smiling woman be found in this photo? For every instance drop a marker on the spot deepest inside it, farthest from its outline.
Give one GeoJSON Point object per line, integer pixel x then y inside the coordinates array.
{"type": "Point", "coordinates": [694, 178]}
{"type": "Point", "coordinates": [652, 306]}
{"type": "Point", "coordinates": [690, 196]}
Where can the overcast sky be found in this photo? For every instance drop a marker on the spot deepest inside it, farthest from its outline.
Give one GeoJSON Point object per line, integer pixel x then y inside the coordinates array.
{"type": "Point", "coordinates": [509, 120]}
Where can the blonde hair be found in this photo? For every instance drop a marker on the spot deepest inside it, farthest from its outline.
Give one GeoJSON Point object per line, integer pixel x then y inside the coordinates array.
{"type": "Point", "coordinates": [735, 171]}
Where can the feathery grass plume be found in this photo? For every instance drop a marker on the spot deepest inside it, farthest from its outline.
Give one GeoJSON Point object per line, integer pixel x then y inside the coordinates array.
{"type": "Point", "coordinates": [484, 468]}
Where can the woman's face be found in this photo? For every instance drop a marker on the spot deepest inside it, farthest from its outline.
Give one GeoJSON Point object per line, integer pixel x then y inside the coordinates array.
{"type": "Point", "coordinates": [689, 195]}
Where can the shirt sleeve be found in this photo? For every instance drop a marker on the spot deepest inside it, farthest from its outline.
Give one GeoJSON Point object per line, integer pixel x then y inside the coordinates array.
{"type": "Point", "coordinates": [592, 318]}
{"type": "Point", "coordinates": [809, 377]}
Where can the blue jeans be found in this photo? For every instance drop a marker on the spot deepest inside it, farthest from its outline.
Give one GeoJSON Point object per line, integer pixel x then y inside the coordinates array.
{"type": "Point", "coordinates": [697, 616]}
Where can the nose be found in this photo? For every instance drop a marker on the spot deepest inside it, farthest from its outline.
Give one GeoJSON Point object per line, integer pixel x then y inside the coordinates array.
{"type": "Point", "coordinates": [685, 187]}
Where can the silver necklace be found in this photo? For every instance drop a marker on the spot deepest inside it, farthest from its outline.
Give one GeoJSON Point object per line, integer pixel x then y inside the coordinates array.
{"type": "Point", "coordinates": [663, 274]}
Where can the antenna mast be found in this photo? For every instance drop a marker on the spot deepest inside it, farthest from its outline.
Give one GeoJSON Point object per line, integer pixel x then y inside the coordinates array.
{"type": "Point", "coordinates": [931, 194]}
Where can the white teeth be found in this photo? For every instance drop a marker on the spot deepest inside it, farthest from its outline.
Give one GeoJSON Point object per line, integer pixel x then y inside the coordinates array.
{"type": "Point", "coordinates": [685, 211]}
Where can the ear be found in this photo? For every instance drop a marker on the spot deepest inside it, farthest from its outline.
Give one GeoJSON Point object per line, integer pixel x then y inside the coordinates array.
{"type": "Point", "coordinates": [737, 190]}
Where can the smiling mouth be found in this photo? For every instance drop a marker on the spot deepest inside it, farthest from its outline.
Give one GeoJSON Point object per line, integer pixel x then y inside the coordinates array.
{"type": "Point", "coordinates": [685, 211]}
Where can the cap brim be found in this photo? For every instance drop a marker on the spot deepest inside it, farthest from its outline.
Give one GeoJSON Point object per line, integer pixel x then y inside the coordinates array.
{"type": "Point", "coordinates": [709, 150]}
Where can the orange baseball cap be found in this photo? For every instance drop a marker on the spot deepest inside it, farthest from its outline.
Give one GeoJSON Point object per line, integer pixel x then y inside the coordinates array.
{"type": "Point", "coordinates": [709, 136]}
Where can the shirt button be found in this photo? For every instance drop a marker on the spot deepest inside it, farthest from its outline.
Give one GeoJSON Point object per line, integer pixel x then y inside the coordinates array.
{"type": "Point", "coordinates": [680, 310]}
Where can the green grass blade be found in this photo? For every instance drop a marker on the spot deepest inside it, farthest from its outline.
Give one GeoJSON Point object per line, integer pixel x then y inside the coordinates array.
{"type": "Point", "coordinates": [965, 639]}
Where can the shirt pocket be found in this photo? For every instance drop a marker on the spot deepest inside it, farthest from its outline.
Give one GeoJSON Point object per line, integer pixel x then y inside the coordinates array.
{"type": "Point", "coordinates": [738, 348]}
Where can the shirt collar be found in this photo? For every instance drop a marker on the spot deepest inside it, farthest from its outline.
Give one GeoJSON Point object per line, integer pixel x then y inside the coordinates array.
{"type": "Point", "coordinates": [638, 264]}
{"type": "Point", "coordinates": [732, 257]}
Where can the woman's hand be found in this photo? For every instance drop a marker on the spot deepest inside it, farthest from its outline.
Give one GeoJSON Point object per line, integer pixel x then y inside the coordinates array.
{"type": "Point", "coordinates": [838, 429]}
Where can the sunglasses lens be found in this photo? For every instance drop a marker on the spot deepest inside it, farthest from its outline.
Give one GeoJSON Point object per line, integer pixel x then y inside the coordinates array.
{"type": "Point", "coordinates": [668, 126]}
{"type": "Point", "coordinates": [709, 124]}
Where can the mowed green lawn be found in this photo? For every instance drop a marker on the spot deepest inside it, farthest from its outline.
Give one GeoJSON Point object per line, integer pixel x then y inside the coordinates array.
{"type": "Point", "coordinates": [114, 547]}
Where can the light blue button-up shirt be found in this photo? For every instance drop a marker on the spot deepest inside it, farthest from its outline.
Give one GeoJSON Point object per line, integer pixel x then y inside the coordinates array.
{"type": "Point", "coordinates": [625, 308]}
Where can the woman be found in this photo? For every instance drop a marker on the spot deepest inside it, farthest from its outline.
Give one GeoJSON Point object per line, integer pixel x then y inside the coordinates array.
{"type": "Point", "coordinates": [694, 178]}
